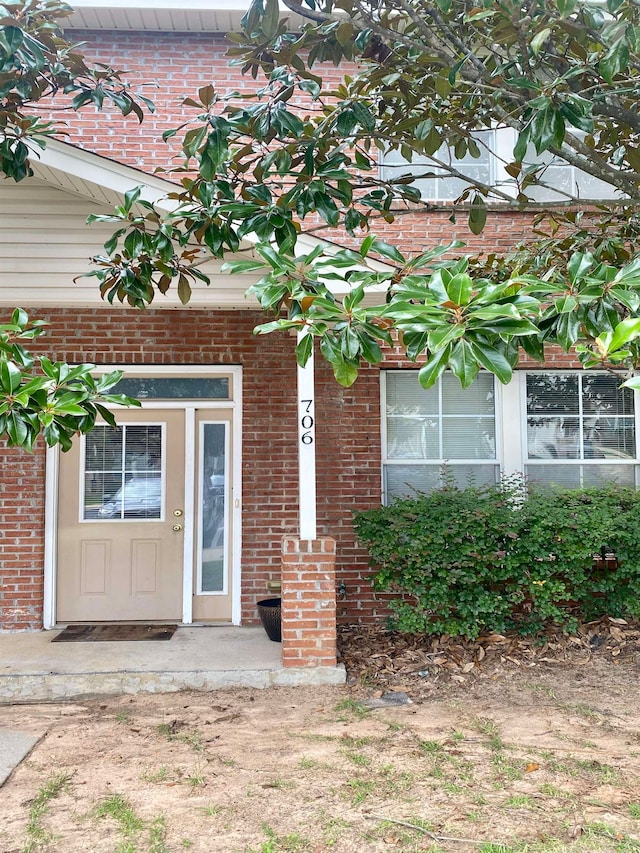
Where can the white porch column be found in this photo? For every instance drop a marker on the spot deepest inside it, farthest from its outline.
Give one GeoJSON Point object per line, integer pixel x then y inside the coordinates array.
{"type": "Point", "coordinates": [307, 448]}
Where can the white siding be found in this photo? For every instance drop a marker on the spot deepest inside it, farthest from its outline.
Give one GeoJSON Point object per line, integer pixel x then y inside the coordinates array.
{"type": "Point", "coordinates": [45, 243]}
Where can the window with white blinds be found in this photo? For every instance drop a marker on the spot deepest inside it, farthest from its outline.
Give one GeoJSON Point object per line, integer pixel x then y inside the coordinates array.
{"type": "Point", "coordinates": [430, 433]}
{"type": "Point", "coordinates": [580, 429]}
{"type": "Point", "coordinates": [559, 180]}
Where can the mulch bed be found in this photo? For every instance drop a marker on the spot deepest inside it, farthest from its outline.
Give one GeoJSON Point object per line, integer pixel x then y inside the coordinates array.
{"type": "Point", "coordinates": [380, 659]}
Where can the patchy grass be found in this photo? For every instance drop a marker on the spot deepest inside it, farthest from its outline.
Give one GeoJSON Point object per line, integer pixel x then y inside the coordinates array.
{"type": "Point", "coordinates": [121, 811]}
{"type": "Point", "coordinates": [504, 769]}
{"type": "Point", "coordinates": [37, 836]}
{"type": "Point", "coordinates": [350, 709]}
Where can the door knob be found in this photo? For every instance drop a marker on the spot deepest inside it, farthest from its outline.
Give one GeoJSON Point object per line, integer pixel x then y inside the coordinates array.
{"type": "Point", "coordinates": [177, 527]}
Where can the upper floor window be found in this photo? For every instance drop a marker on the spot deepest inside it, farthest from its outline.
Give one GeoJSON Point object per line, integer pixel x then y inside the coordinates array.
{"type": "Point", "coordinates": [435, 430]}
{"type": "Point", "coordinates": [559, 179]}
{"type": "Point", "coordinates": [437, 184]}
{"type": "Point", "coordinates": [580, 429]}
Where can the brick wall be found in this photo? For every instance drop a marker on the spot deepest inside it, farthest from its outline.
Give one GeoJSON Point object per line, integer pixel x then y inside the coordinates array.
{"type": "Point", "coordinates": [21, 538]}
{"type": "Point", "coordinates": [308, 601]}
{"type": "Point", "coordinates": [348, 448]}
{"type": "Point", "coordinates": [168, 67]}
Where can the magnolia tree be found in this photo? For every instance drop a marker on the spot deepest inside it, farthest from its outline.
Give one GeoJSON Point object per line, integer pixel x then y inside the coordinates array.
{"type": "Point", "coordinates": [424, 80]}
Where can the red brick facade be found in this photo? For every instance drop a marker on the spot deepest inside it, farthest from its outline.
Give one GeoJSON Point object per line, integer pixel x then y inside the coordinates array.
{"type": "Point", "coordinates": [168, 67]}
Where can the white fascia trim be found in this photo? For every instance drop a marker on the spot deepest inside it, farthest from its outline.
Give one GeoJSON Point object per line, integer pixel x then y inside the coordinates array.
{"type": "Point", "coordinates": [116, 176]}
{"type": "Point", "coordinates": [102, 171]}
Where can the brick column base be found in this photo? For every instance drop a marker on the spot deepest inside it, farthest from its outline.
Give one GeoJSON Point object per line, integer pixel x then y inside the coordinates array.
{"type": "Point", "coordinates": [308, 601]}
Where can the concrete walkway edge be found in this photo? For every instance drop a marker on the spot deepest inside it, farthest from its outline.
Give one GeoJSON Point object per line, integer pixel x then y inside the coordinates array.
{"type": "Point", "coordinates": [14, 748]}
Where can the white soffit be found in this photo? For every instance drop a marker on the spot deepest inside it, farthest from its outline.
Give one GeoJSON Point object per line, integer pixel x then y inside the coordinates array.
{"type": "Point", "coordinates": [105, 181]}
{"type": "Point", "coordinates": [200, 16]}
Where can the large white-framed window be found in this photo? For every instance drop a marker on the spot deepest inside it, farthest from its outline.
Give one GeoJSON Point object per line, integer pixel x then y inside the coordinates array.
{"type": "Point", "coordinates": [579, 429]}
{"type": "Point", "coordinates": [572, 428]}
{"type": "Point", "coordinates": [559, 179]}
{"type": "Point", "coordinates": [437, 184]}
{"type": "Point", "coordinates": [428, 434]}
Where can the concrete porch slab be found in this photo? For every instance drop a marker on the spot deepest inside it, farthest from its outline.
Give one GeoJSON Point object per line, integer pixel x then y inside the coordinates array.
{"type": "Point", "coordinates": [32, 669]}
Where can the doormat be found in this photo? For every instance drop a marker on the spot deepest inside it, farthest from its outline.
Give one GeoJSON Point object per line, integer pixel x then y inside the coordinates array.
{"type": "Point", "coordinates": [114, 633]}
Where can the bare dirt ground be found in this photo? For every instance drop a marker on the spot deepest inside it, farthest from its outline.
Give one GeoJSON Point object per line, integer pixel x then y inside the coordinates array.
{"type": "Point", "coordinates": [513, 754]}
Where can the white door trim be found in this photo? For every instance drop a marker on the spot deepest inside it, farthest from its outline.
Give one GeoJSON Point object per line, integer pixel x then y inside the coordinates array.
{"type": "Point", "coordinates": [52, 467]}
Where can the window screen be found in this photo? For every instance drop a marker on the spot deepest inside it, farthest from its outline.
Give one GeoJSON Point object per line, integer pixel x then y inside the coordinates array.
{"type": "Point", "coordinates": [580, 429]}
{"type": "Point", "coordinates": [444, 427]}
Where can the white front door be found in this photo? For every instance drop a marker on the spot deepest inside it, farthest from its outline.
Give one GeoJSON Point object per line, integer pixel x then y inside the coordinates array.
{"type": "Point", "coordinates": [123, 519]}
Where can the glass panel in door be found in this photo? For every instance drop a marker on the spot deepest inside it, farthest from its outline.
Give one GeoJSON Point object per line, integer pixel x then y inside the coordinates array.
{"type": "Point", "coordinates": [213, 502]}
{"type": "Point", "coordinates": [213, 552]}
{"type": "Point", "coordinates": [123, 472]}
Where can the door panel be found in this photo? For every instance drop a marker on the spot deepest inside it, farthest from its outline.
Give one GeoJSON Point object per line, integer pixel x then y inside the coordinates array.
{"type": "Point", "coordinates": [119, 557]}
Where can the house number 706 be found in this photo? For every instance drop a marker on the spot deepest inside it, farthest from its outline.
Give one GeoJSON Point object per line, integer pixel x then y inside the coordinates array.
{"type": "Point", "coordinates": [306, 422]}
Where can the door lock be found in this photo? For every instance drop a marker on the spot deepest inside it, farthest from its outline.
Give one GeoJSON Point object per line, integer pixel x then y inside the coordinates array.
{"type": "Point", "coordinates": [177, 527]}
{"type": "Point", "coordinates": [177, 513]}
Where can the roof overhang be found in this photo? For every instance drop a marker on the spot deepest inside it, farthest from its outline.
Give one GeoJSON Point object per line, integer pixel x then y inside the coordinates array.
{"type": "Point", "coordinates": [103, 182]}
{"type": "Point", "coordinates": [201, 16]}
{"type": "Point", "coordinates": [95, 177]}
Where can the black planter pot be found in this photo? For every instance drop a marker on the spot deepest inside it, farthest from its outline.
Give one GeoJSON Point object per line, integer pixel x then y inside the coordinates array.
{"type": "Point", "coordinates": [270, 612]}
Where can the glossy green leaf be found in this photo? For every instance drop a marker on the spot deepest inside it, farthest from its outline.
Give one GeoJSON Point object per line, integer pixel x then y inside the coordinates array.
{"type": "Point", "coordinates": [614, 61]}
{"type": "Point", "coordinates": [547, 129]}
{"type": "Point", "coordinates": [477, 214]}
{"type": "Point", "coordinates": [463, 363]}
{"type": "Point", "coordinates": [579, 264]}
{"type": "Point", "coordinates": [10, 377]}
{"type": "Point", "coordinates": [537, 42]}
{"type": "Point", "coordinates": [493, 360]}
{"type": "Point", "coordinates": [11, 39]}
{"type": "Point", "coordinates": [430, 372]}
{"type": "Point", "coordinates": [345, 372]}
{"type": "Point", "coordinates": [626, 331]}
{"type": "Point", "coordinates": [459, 289]}
{"type": "Point", "coordinates": [304, 348]}
{"type": "Point", "coordinates": [386, 250]}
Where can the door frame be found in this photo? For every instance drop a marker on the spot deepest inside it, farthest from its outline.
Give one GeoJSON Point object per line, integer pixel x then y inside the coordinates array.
{"type": "Point", "coordinates": [52, 467]}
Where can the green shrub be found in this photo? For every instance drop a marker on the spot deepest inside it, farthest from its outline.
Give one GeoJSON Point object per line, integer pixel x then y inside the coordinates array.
{"type": "Point", "coordinates": [495, 558]}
